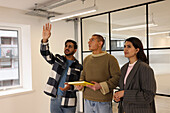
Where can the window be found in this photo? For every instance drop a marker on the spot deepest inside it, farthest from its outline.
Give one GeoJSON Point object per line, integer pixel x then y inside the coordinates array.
{"type": "Point", "coordinates": [5, 40]}
{"type": "Point", "coordinates": [15, 59]}
{"type": "Point", "coordinates": [117, 44]}
{"type": "Point", "coordinates": [9, 75]}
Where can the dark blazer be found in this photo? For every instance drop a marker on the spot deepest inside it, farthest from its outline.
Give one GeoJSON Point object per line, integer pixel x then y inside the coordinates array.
{"type": "Point", "coordinates": [139, 91]}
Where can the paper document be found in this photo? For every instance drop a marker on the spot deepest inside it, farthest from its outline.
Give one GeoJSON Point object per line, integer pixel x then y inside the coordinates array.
{"type": "Point", "coordinates": [83, 83]}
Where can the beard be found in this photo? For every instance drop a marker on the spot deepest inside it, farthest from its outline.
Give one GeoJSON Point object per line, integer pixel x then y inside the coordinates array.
{"type": "Point", "coordinates": [69, 53]}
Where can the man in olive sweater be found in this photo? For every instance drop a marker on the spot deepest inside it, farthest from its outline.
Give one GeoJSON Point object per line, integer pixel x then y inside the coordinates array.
{"type": "Point", "coordinates": [103, 70]}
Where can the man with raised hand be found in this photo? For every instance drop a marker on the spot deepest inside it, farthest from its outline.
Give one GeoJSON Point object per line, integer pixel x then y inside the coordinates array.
{"type": "Point", "coordinates": [65, 68]}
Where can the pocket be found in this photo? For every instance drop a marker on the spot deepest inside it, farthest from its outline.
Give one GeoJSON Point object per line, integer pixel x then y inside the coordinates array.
{"type": "Point", "coordinates": [75, 72]}
{"type": "Point", "coordinates": [75, 75]}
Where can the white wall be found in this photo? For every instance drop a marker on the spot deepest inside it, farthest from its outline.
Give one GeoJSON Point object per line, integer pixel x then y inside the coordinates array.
{"type": "Point", "coordinates": [36, 101]}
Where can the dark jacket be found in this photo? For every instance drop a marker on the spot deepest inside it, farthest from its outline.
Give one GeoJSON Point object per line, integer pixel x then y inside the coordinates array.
{"type": "Point", "coordinates": [139, 91]}
{"type": "Point", "coordinates": [58, 63]}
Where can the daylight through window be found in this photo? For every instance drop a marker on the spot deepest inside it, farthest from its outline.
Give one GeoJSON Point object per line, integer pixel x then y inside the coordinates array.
{"type": "Point", "coordinates": [9, 58]}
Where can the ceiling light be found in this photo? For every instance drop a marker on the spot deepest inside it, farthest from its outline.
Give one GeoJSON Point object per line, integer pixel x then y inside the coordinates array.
{"type": "Point", "coordinates": [54, 3]}
{"type": "Point", "coordinates": [134, 27]}
{"type": "Point", "coordinates": [157, 33]}
{"type": "Point", "coordinates": [73, 14]}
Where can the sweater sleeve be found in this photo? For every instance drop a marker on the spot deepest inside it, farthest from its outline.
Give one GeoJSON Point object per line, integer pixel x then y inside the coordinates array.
{"type": "Point", "coordinates": [104, 88]}
{"type": "Point", "coordinates": [147, 88]}
{"type": "Point", "coordinates": [45, 52]}
{"type": "Point", "coordinates": [114, 71]}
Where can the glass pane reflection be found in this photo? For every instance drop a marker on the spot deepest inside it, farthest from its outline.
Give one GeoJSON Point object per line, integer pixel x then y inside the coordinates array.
{"type": "Point", "coordinates": [160, 62]}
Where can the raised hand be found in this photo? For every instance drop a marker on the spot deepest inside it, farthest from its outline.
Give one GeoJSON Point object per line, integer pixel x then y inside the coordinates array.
{"type": "Point", "coordinates": [46, 32]}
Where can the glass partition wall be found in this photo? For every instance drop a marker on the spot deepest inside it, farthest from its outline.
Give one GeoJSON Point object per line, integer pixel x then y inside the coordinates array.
{"type": "Point", "coordinates": [159, 46]}
{"type": "Point", "coordinates": [95, 25]}
{"type": "Point", "coordinates": [123, 25]}
{"type": "Point", "coordinates": [144, 21]}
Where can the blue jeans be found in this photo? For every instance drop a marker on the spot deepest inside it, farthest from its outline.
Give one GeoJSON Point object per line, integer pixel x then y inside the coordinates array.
{"type": "Point", "coordinates": [55, 106]}
{"type": "Point", "coordinates": [97, 107]}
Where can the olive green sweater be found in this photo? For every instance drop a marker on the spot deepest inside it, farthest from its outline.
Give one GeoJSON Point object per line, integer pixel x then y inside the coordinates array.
{"type": "Point", "coordinates": [104, 69]}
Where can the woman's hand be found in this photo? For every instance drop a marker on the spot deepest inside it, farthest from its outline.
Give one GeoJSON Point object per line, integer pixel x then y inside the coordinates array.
{"type": "Point", "coordinates": [118, 95]}
{"type": "Point", "coordinates": [116, 98]}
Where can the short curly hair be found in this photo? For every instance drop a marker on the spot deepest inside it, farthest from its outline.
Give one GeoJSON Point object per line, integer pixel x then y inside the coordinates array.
{"type": "Point", "coordinates": [72, 41]}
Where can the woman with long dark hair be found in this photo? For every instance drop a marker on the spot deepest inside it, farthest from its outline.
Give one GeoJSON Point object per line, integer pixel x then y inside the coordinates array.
{"type": "Point", "coordinates": [137, 82]}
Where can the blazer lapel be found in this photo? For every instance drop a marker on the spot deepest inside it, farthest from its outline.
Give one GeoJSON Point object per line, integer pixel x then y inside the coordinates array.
{"type": "Point", "coordinates": [123, 72]}
{"type": "Point", "coordinates": [131, 74]}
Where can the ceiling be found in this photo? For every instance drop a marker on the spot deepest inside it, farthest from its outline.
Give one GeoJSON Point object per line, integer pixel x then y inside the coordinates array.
{"type": "Point", "coordinates": [103, 5]}
{"type": "Point", "coordinates": [160, 12]}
